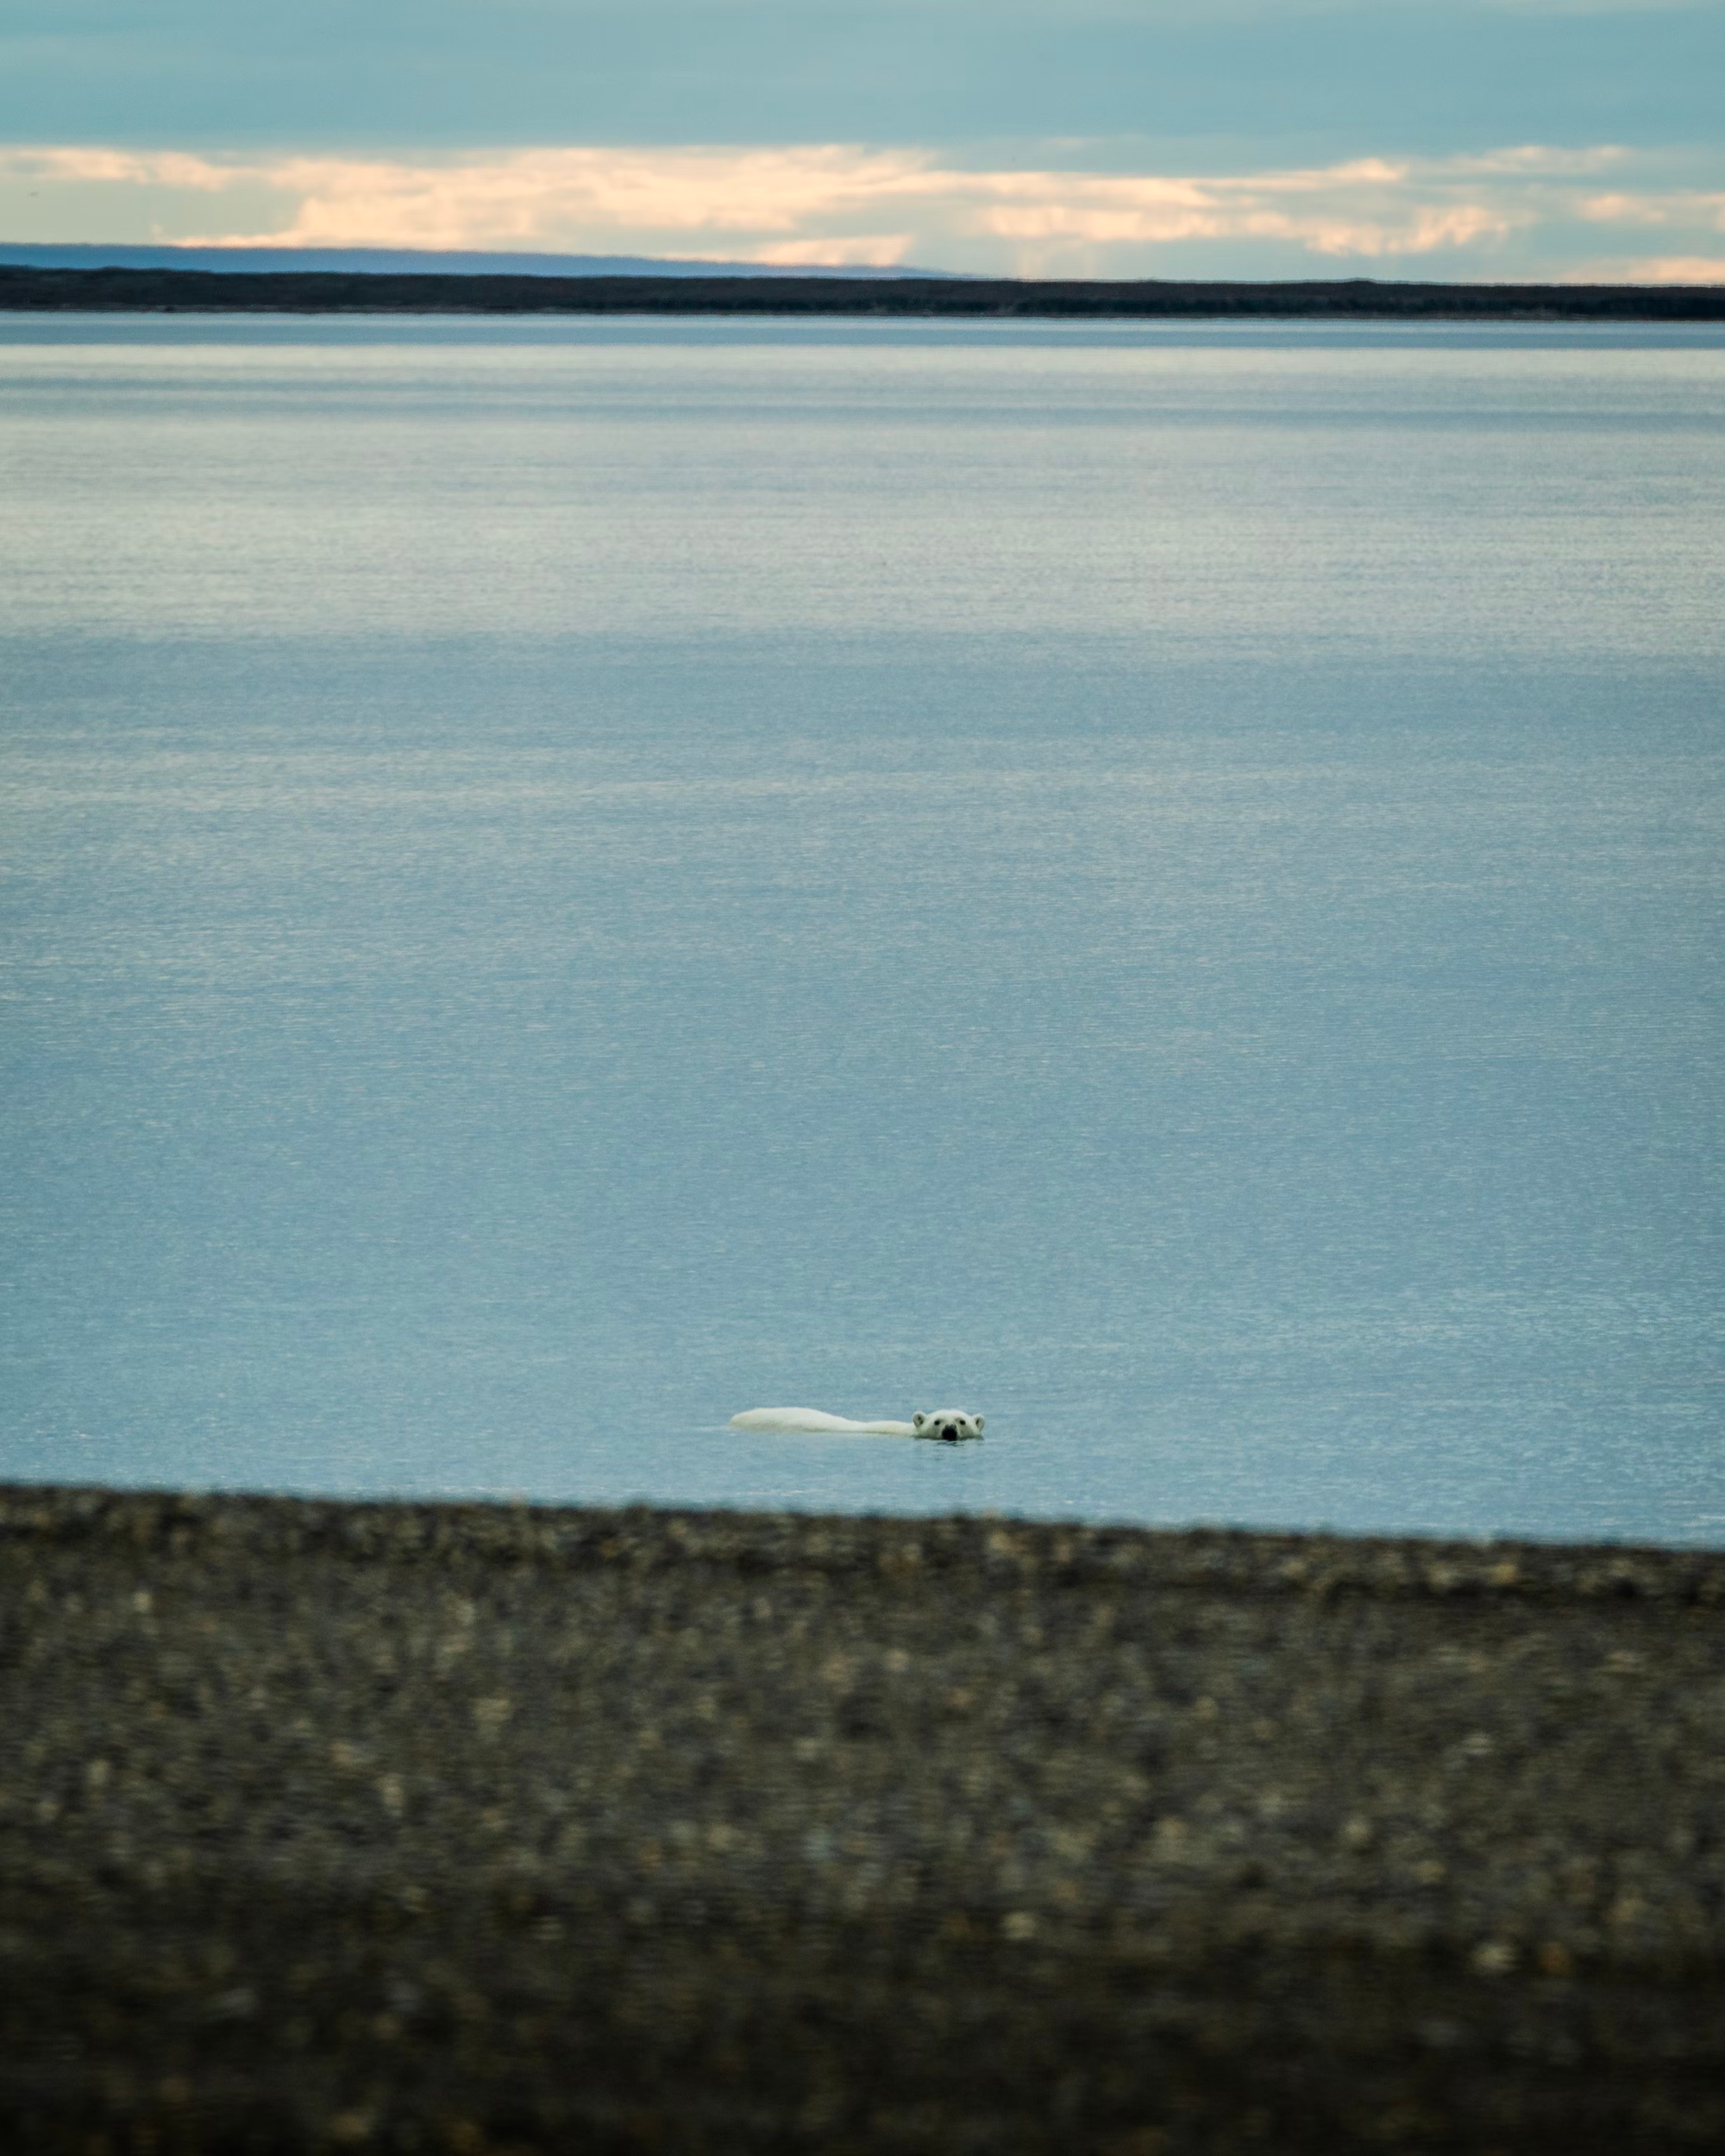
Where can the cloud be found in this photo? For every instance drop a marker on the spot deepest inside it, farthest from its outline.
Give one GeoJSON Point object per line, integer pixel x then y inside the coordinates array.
{"type": "Point", "coordinates": [797, 205]}
{"type": "Point", "coordinates": [1662, 269]}
{"type": "Point", "coordinates": [806, 204]}
{"type": "Point", "coordinates": [875, 250]}
{"type": "Point", "coordinates": [1538, 161]}
{"type": "Point", "coordinates": [137, 168]}
{"type": "Point", "coordinates": [1682, 206]}
{"type": "Point", "coordinates": [1365, 208]}
{"type": "Point", "coordinates": [1681, 269]}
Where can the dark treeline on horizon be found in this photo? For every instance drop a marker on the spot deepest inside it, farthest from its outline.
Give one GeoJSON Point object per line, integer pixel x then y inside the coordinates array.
{"type": "Point", "coordinates": [328, 291]}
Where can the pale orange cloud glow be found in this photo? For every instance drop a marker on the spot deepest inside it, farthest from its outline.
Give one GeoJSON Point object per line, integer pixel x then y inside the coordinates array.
{"type": "Point", "coordinates": [1689, 206]}
{"type": "Point", "coordinates": [136, 168]}
{"type": "Point", "coordinates": [1661, 269]}
{"type": "Point", "coordinates": [593, 198]}
{"type": "Point", "coordinates": [808, 204]}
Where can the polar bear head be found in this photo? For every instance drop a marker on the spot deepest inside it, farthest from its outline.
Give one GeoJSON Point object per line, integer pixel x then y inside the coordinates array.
{"type": "Point", "coordinates": [948, 1424]}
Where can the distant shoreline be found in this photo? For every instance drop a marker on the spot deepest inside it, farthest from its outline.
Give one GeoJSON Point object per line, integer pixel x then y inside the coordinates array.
{"type": "Point", "coordinates": [322, 291]}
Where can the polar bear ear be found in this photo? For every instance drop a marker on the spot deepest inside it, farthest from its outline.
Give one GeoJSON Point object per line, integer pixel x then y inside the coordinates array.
{"type": "Point", "coordinates": [978, 1420]}
{"type": "Point", "coordinates": [917, 1421]}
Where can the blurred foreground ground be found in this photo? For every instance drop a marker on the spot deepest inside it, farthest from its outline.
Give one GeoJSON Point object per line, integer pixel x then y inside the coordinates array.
{"type": "Point", "coordinates": [465, 1828]}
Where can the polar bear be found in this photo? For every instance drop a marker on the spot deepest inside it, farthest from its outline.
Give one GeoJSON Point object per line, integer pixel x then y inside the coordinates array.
{"type": "Point", "coordinates": [949, 1425]}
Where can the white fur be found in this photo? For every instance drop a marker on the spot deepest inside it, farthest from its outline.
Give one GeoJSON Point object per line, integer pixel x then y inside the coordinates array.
{"type": "Point", "coordinates": [948, 1423]}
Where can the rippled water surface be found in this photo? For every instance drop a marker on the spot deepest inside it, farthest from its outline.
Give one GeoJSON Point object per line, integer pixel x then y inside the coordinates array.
{"type": "Point", "coordinates": [561, 879]}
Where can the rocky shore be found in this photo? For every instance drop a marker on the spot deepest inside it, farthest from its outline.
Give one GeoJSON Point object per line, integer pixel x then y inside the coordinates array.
{"type": "Point", "coordinates": [473, 1829]}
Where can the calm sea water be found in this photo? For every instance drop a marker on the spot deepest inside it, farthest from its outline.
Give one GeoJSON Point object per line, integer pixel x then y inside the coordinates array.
{"type": "Point", "coordinates": [564, 880]}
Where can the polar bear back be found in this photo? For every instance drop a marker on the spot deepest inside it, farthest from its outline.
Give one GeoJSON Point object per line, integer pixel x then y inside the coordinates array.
{"type": "Point", "coordinates": [813, 1418]}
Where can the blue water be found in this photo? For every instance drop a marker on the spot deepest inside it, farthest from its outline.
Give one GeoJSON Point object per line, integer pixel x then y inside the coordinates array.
{"type": "Point", "coordinates": [564, 880]}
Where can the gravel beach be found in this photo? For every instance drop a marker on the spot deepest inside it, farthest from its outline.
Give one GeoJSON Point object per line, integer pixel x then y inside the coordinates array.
{"type": "Point", "coordinates": [467, 1828]}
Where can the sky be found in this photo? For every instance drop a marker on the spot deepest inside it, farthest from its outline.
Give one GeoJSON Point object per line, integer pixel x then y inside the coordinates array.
{"type": "Point", "coordinates": [1572, 140]}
